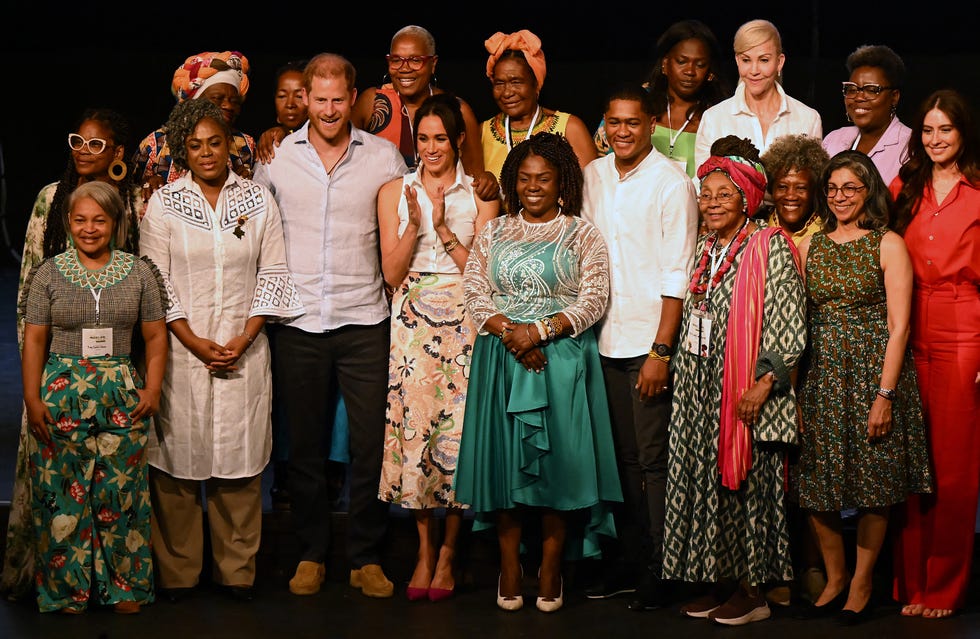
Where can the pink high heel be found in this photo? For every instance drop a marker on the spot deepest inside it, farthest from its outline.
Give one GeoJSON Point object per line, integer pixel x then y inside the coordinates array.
{"type": "Point", "coordinates": [438, 594]}
{"type": "Point", "coordinates": [417, 594]}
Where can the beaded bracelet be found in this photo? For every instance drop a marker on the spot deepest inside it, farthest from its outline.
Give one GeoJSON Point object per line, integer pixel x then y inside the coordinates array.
{"type": "Point", "coordinates": [554, 326]}
{"type": "Point", "coordinates": [542, 330]}
{"type": "Point", "coordinates": [451, 245]}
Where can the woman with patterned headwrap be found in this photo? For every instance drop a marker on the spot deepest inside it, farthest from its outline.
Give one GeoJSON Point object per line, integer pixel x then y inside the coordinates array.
{"type": "Point", "coordinates": [222, 78]}
{"type": "Point", "coordinates": [516, 68]}
{"type": "Point", "coordinates": [734, 408]}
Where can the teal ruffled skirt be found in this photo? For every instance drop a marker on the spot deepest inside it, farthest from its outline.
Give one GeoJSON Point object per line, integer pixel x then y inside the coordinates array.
{"type": "Point", "coordinates": [540, 439]}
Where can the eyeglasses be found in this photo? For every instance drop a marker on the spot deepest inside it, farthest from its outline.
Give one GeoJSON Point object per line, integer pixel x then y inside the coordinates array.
{"type": "Point", "coordinates": [723, 198]}
{"type": "Point", "coordinates": [414, 62]}
{"type": "Point", "coordinates": [94, 145]}
{"type": "Point", "coordinates": [851, 89]}
{"type": "Point", "coordinates": [848, 190]}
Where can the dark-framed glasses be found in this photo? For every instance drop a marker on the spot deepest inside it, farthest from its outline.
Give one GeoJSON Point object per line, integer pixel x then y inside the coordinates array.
{"type": "Point", "coordinates": [848, 190]}
{"type": "Point", "coordinates": [723, 198]}
{"type": "Point", "coordinates": [414, 62]}
{"type": "Point", "coordinates": [851, 89]}
{"type": "Point", "coordinates": [94, 145]}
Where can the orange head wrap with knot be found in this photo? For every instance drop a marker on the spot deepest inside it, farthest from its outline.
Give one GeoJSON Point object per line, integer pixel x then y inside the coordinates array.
{"type": "Point", "coordinates": [523, 41]}
{"type": "Point", "coordinates": [204, 69]}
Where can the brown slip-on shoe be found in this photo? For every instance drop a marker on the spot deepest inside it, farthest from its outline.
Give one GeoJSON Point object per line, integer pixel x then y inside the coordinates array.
{"type": "Point", "coordinates": [308, 578]}
{"type": "Point", "coordinates": [372, 581]}
{"type": "Point", "coordinates": [126, 607]}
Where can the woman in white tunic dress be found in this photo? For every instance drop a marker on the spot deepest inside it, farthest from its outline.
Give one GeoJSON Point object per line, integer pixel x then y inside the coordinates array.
{"type": "Point", "coordinates": [217, 238]}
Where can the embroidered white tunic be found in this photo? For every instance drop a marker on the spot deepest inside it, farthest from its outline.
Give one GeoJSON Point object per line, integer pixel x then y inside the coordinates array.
{"type": "Point", "coordinates": [209, 425]}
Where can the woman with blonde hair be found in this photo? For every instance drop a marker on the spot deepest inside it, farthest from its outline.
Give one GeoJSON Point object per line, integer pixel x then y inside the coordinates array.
{"type": "Point", "coordinates": [760, 110]}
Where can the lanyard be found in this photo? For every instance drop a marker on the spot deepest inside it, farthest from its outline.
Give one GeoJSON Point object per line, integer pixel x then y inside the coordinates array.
{"type": "Point", "coordinates": [673, 138]}
{"type": "Point", "coordinates": [97, 294]}
{"type": "Point", "coordinates": [530, 129]}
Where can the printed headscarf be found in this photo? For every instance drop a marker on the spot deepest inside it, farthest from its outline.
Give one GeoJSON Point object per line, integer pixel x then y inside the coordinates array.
{"type": "Point", "coordinates": [202, 70]}
{"type": "Point", "coordinates": [749, 177]}
{"type": "Point", "coordinates": [523, 41]}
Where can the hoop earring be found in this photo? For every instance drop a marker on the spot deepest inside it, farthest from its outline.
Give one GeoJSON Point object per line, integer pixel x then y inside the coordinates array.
{"type": "Point", "coordinates": [848, 116]}
{"type": "Point", "coordinates": [118, 170]}
{"type": "Point", "coordinates": [385, 79]}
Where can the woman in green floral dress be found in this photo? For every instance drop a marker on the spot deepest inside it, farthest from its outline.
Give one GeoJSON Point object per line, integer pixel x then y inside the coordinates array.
{"type": "Point", "coordinates": [863, 443]}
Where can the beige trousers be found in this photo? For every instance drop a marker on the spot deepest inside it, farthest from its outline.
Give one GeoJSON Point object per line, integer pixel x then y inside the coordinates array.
{"type": "Point", "coordinates": [234, 508]}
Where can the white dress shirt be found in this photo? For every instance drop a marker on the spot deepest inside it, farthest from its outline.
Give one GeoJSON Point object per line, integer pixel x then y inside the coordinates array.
{"type": "Point", "coordinates": [330, 223]}
{"type": "Point", "coordinates": [649, 220]}
{"type": "Point", "coordinates": [733, 117]}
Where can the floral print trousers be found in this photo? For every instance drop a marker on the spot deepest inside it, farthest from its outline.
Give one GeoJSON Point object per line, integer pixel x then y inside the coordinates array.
{"type": "Point", "coordinates": [91, 503]}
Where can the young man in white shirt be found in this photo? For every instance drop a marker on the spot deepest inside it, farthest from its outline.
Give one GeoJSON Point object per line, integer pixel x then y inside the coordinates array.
{"type": "Point", "coordinates": [646, 208]}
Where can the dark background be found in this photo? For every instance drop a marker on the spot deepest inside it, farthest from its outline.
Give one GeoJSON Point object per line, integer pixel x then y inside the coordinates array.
{"type": "Point", "coordinates": [56, 61]}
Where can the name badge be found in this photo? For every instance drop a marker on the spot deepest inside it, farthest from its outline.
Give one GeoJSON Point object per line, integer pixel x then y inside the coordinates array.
{"type": "Point", "coordinates": [96, 342]}
{"type": "Point", "coordinates": [680, 162]}
{"type": "Point", "coordinates": [698, 339]}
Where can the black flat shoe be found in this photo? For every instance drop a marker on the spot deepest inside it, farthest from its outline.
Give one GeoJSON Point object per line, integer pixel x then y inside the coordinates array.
{"type": "Point", "coordinates": [852, 618]}
{"type": "Point", "coordinates": [829, 609]}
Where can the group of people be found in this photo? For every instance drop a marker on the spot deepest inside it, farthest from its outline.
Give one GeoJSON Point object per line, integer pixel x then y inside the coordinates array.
{"type": "Point", "coordinates": [703, 336]}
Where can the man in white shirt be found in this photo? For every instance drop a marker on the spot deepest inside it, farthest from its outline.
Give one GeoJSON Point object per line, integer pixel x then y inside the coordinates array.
{"type": "Point", "coordinates": [326, 177]}
{"type": "Point", "coordinates": [646, 208]}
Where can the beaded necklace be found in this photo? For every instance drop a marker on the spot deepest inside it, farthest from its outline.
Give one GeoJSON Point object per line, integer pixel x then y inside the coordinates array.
{"type": "Point", "coordinates": [114, 271]}
{"type": "Point", "coordinates": [699, 281]}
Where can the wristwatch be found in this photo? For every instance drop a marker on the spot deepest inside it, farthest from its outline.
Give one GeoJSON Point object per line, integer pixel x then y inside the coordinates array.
{"type": "Point", "coordinates": [661, 352]}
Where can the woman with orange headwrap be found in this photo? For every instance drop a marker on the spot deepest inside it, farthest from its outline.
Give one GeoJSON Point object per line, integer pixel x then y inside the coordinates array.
{"type": "Point", "coordinates": [734, 407]}
{"type": "Point", "coordinates": [222, 78]}
{"type": "Point", "coordinates": [516, 68]}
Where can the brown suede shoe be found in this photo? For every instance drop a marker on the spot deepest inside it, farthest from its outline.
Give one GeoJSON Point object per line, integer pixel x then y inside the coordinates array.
{"type": "Point", "coordinates": [372, 581]}
{"type": "Point", "coordinates": [126, 607]}
{"type": "Point", "coordinates": [308, 578]}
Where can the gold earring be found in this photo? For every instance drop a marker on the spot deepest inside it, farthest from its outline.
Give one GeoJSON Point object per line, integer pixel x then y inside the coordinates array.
{"type": "Point", "coordinates": [118, 170]}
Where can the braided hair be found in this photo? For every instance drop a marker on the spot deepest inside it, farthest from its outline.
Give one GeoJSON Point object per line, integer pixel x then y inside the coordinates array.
{"type": "Point", "coordinates": [55, 233]}
{"type": "Point", "coordinates": [558, 152]}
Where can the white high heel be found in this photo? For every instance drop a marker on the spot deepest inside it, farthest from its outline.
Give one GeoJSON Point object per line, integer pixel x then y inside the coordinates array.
{"type": "Point", "coordinates": [510, 604]}
{"type": "Point", "coordinates": [547, 604]}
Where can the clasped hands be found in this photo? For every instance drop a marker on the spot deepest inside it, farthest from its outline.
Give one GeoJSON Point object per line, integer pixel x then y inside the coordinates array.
{"type": "Point", "coordinates": [524, 343]}
{"type": "Point", "coordinates": [219, 359]}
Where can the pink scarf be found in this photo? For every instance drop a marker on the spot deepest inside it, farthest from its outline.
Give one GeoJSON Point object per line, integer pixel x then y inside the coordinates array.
{"type": "Point", "coordinates": [744, 333]}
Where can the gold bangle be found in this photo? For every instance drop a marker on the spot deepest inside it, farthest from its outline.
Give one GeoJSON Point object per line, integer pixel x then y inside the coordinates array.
{"type": "Point", "coordinates": [657, 356]}
{"type": "Point", "coordinates": [451, 245]}
{"type": "Point", "coordinates": [556, 325]}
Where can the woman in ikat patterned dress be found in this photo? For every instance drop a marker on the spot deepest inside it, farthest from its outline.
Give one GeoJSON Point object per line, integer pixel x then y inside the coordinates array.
{"type": "Point", "coordinates": [734, 408]}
